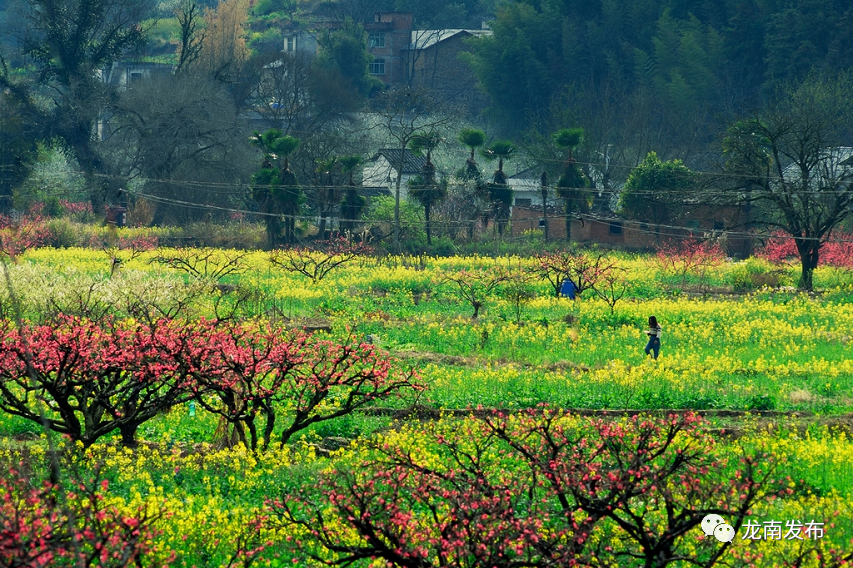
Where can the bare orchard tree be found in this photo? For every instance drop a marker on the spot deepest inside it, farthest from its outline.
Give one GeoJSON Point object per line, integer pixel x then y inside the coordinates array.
{"type": "Point", "coordinates": [402, 114]}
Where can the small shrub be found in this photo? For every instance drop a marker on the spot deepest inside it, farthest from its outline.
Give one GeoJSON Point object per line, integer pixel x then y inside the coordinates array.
{"type": "Point", "coordinates": [755, 273]}
{"type": "Point", "coordinates": [141, 213]}
{"type": "Point", "coordinates": [62, 233]}
{"type": "Point", "coordinates": [760, 402]}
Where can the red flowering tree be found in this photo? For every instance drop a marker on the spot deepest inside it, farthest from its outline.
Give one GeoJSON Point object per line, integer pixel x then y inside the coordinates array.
{"type": "Point", "coordinates": [836, 251]}
{"type": "Point", "coordinates": [541, 489]}
{"type": "Point", "coordinates": [839, 251]}
{"type": "Point", "coordinates": [19, 235]}
{"type": "Point", "coordinates": [293, 378]}
{"type": "Point", "coordinates": [688, 257]}
{"type": "Point", "coordinates": [54, 526]}
{"type": "Point", "coordinates": [87, 379]}
{"type": "Point", "coordinates": [583, 269]}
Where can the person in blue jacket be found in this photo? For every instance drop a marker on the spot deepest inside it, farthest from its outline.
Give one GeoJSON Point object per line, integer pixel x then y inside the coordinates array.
{"type": "Point", "coordinates": [569, 289]}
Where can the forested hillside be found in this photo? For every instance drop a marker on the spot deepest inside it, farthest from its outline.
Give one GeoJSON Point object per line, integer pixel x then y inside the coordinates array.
{"type": "Point", "coordinates": [664, 68]}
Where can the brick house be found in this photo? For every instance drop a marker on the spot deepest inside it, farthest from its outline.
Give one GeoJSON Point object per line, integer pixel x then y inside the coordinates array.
{"type": "Point", "coordinates": [435, 64]}
{"type": "Point", "coordinates": [388, 39]}
{"type": "Point", "coordinates": [420, 58]}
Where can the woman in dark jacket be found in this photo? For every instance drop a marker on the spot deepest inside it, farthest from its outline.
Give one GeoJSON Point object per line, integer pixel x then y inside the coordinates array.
{"type": "Point", "coordinates": [654, 333]}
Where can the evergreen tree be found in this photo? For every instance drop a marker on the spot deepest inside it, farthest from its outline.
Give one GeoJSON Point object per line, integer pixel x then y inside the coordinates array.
{"type": "Point", "coordinates": [500, 192]}
{"type": "Point", "coordinates": [425, 188]}
{"type": "Point", "coordinates": [275, 188]}
{"type": "Point", "coordinates": [572, 184]}
{"type": "Point", "coordinates": [655, 191]}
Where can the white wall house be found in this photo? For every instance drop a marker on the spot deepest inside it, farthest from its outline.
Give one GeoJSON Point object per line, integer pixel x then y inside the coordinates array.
{"type": "Point", "coordinates": [833, 171]}
{"type": "Point", "coordinates": [123, 74]}
{"type": "Point", "coordinates": [527, 190]}
{"type": "Point", "coordinates": [381, 170]}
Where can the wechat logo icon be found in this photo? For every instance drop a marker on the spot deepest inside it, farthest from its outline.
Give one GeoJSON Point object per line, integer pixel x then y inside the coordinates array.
{"type": "Point", "coordinates": [717, 526]}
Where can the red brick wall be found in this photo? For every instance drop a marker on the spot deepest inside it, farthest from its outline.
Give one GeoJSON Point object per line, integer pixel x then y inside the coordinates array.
{"type": "Point", "coordinates": [635, 235]}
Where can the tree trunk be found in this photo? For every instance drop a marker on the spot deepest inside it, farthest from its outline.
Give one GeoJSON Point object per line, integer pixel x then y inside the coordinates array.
{"type": "Point", "coordinates": [397, 199]}
{"type": "Point", "coordinates": [269, 426]}
{"type": "Point", "coordinates": [128, 435]}
{"type": "Point", "coordinates": [322, 232]}
{"type": "Point", "coordinates": [569, 209]}
{"type": "Point", "coordinates": [90, 165]}
{"type": "Point", "coordinates": [272, 224]}
{"type": "Point", "coordinates": [809, 256]}
{"type": "Point", "coordinates": [426, 216]}
{"type": "Point", "coordinates": [252, 442]}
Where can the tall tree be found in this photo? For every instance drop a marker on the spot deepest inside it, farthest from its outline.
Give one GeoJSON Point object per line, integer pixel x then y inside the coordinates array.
{"type": "Point", "coordinates": [402, 114]}
{"type": "Point", "coordinates": [500, 192]}
{"type": "Point", "coordinates": [69, 42]}
{"type": "Point", "coordinates": [655, 191]}
{"type": "Point", "coordinates": [794, 161]}
{"type": "Point", "coordinates": [18, 148]}
{"type": "Point", "coordinates": [425, 188]}
{"type": "Point", "coordinates": [326, 192]}
{"type": "Point", "coordinates": [188, 14]}
{"type": "Point", "coordinates": [527, 38]}
{"type": "Point", "coordinates": [572, 184]}
{"type": "Point", "coordinates": [353, 203]}
{"type": "Point", "coordinates": [275, 187]}
{"type": "Point", "coordinates": [473, 139]}
{"type": "Point", "coordinates": [224, 52]}
{"type": "Point", "coordinates": [173, 129]}
{"type": "Point", "coordinates": [344, 58]}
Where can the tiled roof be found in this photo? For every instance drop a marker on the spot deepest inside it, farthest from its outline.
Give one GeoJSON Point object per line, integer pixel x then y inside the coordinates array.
{"type": "Point", "coordinates": [529, 173]}
{"type": "Point", "coordinates": [412, 164]}
{"type": "Point", "coordinates": [422, 39]}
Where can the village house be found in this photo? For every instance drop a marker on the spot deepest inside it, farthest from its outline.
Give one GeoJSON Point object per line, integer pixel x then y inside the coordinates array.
{"type": "Point", "coordinates": [427, 59]}
{"type": "Point", "coordinates": [382, 169]}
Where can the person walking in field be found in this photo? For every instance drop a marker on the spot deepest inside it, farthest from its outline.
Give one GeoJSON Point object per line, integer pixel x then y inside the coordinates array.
{"type": "Point", "coordinates": [654, 333]}
{"type": "Point", "coordinates": [569, 289]}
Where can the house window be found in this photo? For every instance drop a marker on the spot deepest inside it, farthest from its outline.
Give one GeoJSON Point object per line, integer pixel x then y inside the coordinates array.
{"type": "Point", "coordinates": [135, 76]}
{"type": "Point", "coordinates": [377, 67]}
{"type": "Point", "coordinates": [719, 225]}
{"type": "Point", "coordinates": [376, 39]}
{"type": "Point", "coordinates": [615, 227]}
{"type": "Point", "coordinates": [290, 44]}
{"type": "Point", "coordinates": [541, 223]}
{"type": "Point", "coordinates": [524, 202]}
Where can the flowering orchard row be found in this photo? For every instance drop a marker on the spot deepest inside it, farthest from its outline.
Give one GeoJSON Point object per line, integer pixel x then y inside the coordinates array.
{"type": "Point", "coordinates": [540, 488]}
{"type": "Point", "coordinates": [765, 351]}
{"type": "Point", "coordinates": [87, 379]}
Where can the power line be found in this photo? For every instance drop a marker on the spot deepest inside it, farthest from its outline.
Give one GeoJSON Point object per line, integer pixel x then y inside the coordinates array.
{"type": "Point", "coordinates": [210, 187]}
{"type": "Point", "coordinates": [681, 228]}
